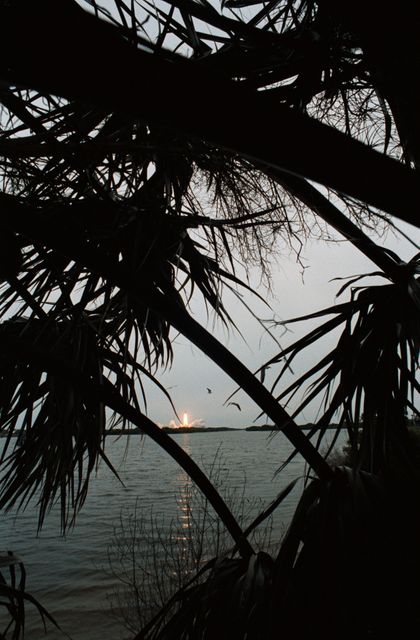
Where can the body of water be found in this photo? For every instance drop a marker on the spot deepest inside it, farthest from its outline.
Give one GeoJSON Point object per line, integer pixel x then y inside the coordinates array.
{"type": "Point", "coordinates": [70, 575]}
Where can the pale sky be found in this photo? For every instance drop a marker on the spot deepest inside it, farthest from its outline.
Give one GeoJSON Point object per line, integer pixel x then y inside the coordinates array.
{"type": "Point", "coordinates": [192, 373]}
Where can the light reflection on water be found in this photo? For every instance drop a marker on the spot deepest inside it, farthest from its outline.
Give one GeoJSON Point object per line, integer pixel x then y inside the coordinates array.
{"type": "Point", "coordinates": [66, 574]}
{"type": "Point", "coordinates": [183, 498]}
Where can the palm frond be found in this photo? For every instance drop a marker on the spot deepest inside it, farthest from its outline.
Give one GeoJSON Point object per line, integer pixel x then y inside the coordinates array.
{"type": "Point", "coordinates": [370, 376]}
{"type": "Point", "coordinates": [341, 533]}
{"type": "Point", "coordinates": [223, 132]}
{"type": "Point", "coordinates": [60, 390]}
{"type": "Point", "coordinates": [14, 597]}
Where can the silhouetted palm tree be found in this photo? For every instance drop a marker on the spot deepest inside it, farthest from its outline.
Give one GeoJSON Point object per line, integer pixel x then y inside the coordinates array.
{"type": "Point", "coordinates": [113, 124]}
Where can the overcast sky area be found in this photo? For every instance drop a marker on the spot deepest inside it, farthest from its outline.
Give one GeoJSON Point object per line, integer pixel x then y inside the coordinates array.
{"type": "Point", "coordinates": [294, 294]}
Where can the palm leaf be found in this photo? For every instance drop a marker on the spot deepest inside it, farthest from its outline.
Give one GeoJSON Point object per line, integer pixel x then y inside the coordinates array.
{"type": "Point", "coordinates": [371, 373]}
{"type": "Point", "coordinates": [14, 597]}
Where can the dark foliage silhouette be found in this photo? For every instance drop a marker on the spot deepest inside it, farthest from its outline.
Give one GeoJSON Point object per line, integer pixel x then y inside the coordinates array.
{"type": "Point", "coordinates": [143, 149]}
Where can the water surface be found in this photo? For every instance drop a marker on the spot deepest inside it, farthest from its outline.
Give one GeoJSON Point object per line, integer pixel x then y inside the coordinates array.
{"type": "Point", "coordinates": [69, 574]}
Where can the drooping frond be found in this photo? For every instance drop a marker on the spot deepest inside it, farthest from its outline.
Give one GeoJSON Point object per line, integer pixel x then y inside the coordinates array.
{"type": "Point", "coordinates": [369, 379]}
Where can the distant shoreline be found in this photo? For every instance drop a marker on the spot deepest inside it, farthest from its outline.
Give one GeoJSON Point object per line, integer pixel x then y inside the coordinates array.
{"type": "Point", "coordinates": [264, 427]}
{"type": "Point", "coordinates": [175, 430]}
{"type": "Point", "coordinates": [127, 432]}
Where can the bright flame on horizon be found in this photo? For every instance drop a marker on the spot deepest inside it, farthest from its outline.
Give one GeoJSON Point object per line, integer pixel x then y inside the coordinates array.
{"type": "Point", "coordinates": [197, 422]}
